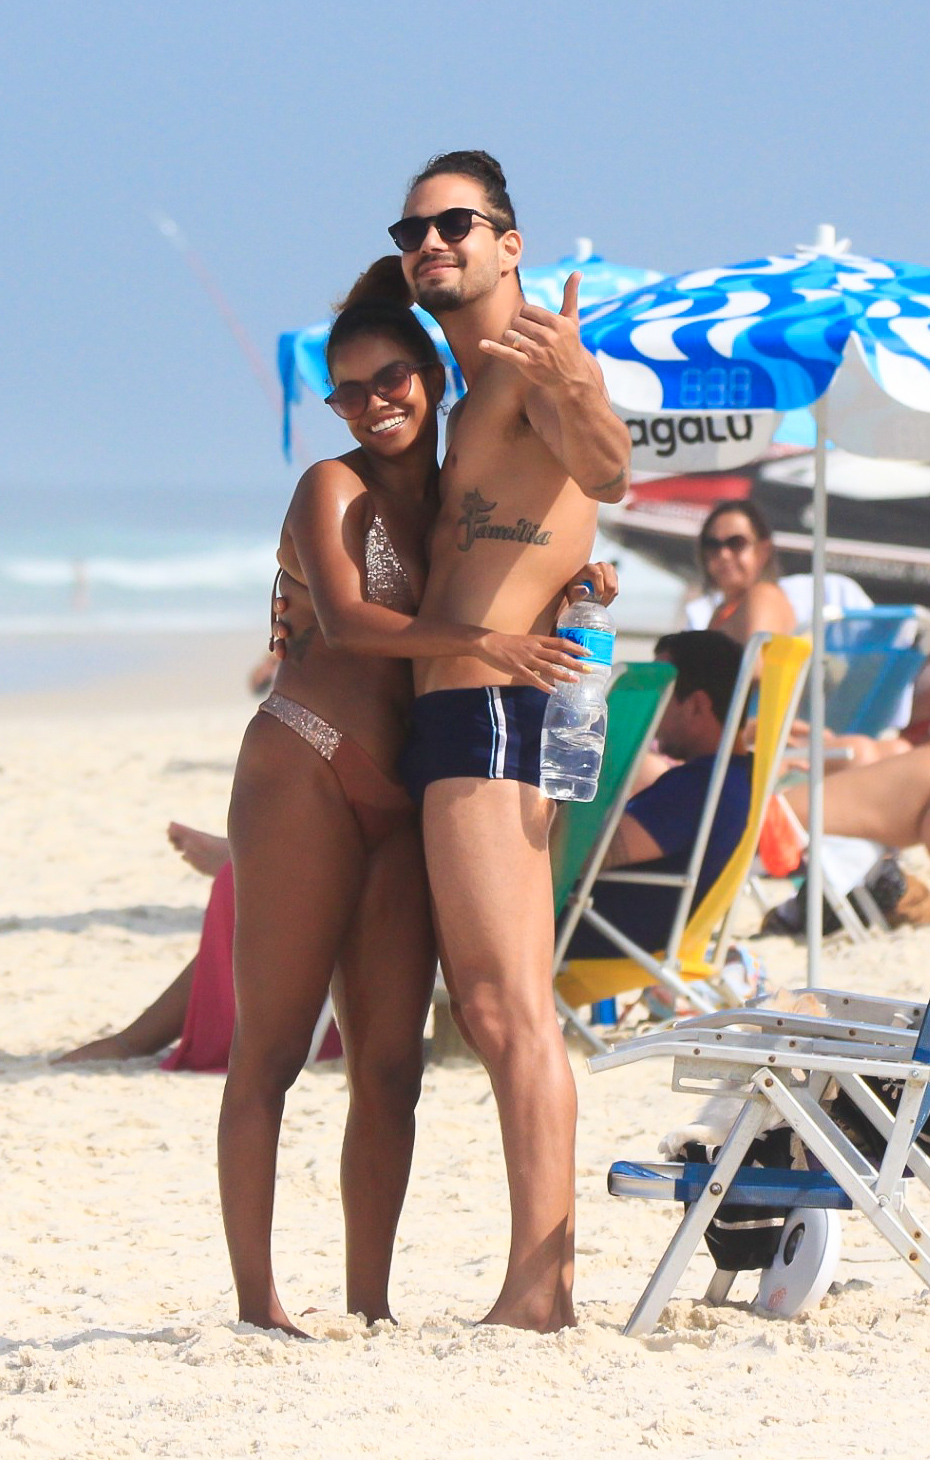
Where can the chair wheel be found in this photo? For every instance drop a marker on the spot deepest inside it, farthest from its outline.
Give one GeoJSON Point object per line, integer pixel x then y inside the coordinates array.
{"type": "Point", "coordinates": [803, 1267]}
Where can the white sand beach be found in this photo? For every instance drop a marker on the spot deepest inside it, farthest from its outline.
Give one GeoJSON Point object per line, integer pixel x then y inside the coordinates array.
{"type": "Point", "coordinates": [117, 1331]}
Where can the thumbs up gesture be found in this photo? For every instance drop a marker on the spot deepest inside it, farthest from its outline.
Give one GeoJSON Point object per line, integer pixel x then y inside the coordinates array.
{"type": "Point", "coordinates": [546, 348]}
{"type": "Point", "coordinates": [569, 308]}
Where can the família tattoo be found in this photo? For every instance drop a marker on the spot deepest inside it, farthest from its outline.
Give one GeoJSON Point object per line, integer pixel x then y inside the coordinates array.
{"type": "Point", "coordinates": [475, 521]}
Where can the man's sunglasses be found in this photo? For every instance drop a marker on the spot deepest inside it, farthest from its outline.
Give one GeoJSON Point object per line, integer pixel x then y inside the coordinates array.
{"type": "Point", "coordinates": [452, 225]}
{"type": "Point", "coordinates": [392, 382]}
{"type": "Point", "coordinates": [735, 544]}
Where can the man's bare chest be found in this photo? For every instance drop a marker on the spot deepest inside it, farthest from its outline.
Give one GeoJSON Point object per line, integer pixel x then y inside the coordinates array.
{"type": "Point", "coordinates": [499, 483]}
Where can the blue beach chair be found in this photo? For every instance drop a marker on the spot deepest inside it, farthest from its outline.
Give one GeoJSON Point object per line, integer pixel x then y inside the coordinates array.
{"type": "Point", "coordinates": [874, 654]}
{"type": "Point", "coordinates": [873, 657]}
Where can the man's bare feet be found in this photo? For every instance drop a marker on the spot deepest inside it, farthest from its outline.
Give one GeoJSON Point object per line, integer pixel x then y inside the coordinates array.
{"type": "Point", "coordinates": [528, 1318]}
{"type": "Point", "coordinates": [533, 1311]}
{"type": "Point", "coordinates": [111, 1047]}
{"type": "Point", "coordinates": [203, 852]}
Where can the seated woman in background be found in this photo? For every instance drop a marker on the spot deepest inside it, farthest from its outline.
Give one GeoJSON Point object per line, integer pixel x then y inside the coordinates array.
{"type": "Point", "coordinates": [737, 557]}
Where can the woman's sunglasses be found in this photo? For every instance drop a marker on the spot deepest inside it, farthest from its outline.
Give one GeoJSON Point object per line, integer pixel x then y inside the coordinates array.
{"type": "Point", "coordinates": [452, 225]}
{"type": "Point", "coordinates": [710, 546]}
{"type": "Point", "coordinates": [392, 382]}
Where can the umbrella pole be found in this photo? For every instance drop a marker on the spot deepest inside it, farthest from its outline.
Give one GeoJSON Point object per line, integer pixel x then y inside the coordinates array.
{"type": "Point", "coordinates": [815, 826]}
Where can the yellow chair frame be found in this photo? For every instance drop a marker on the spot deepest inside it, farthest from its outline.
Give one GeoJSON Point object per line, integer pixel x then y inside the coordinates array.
{"type": "Point", "coordinates": [699, 940]}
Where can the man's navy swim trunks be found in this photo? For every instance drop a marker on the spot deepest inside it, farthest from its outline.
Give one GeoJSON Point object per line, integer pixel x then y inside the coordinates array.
{"type": "Point", "coordinates": [491, 733]}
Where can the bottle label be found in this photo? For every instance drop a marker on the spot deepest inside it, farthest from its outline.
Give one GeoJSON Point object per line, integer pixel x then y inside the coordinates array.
{"type": "Point", "coordinates": [597, 641]}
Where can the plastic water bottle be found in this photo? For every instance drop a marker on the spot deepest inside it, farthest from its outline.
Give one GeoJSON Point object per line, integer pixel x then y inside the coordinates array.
{"type": "Point", "coordinates": [575, 723]}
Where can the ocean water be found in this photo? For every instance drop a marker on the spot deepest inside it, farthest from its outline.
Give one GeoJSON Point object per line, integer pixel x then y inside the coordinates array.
{"type": "Point", "coordinates": [84, 575]}
{"type": "Point", "coordinates": [86, 563]}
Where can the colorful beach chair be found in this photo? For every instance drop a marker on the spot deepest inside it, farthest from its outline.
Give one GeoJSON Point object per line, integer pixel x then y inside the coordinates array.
{"type": "Point", "coordinates": [873, 657]}
{"type": "Point", "coordinates": [636, 698]}
{"type": "Point", "coordinates": [699, 937]}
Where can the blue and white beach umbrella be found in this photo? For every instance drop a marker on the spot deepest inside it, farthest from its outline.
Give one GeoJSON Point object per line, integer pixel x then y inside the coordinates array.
{"type": "Point", "coordinates": [600, 280]}
{"type": "Point", "coordinates": [847, 336]}
{"type": "Point", "coordinates": [301, 354]}
{"type": "Point", "coordinates": [776, 334]}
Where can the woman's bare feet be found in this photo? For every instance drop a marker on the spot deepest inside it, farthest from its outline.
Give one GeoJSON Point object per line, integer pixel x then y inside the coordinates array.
{"type": "Point", "coordinates": [111, 1047]}
{"type": "Point", "coordinates": [203, 852]}
{"type": "Point", "coordinates": [276, 1318]}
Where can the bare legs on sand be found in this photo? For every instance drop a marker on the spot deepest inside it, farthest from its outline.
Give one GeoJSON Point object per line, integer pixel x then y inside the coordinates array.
{"type": "Point", "coordinates": [162, 1022]}
{"type": "Point", "coordinates": [310, 896]}
{"type": "Point", "coordinates": [156, 1027]}
{"type": "Point", "coordinates": [493, 912]}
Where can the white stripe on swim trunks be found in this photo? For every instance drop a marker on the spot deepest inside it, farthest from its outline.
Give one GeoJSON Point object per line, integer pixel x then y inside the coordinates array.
{"type": "Point", "coordinates": [499, 733]}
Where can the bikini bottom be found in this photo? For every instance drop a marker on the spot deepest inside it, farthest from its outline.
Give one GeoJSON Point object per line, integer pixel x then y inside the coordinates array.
{"type": "Point", "coordinates": [380, 805]}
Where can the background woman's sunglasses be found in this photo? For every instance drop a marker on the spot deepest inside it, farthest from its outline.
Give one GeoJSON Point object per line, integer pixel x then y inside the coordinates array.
{"type": "Point", "coordinates": [452, 225]}
{"type": "Point", "coordinates": [392, 382]}
{"type": "Point", "coordinates": [735, 544]}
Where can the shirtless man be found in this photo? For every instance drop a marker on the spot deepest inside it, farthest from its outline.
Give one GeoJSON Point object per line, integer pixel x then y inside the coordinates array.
{"type": "Point", "coordinates": [532, 451]}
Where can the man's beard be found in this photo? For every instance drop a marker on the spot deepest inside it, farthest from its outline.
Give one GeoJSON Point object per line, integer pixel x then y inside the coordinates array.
{"type": "Point", "coordinates": [472, 281]}
{"type": "Point", "coordinates": [439, 299]}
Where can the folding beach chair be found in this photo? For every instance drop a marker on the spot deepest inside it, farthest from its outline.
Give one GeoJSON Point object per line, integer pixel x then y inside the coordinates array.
{"type": "Point", "coordinates": [874, 653]}
{"type": "Point", "coordinates": [847, 896]}
{"type": "Point", "coordinates": [873, 657]}
{"type": "Point", "coordinates": [636, 698]}
{"type": "Point", "coordinates": [784, 1064]}
{"type": "Point", "coordinates": [686, 964]}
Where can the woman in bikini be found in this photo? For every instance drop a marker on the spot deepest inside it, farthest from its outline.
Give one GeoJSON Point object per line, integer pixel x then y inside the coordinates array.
{"type": "Point", "coordinates": [328, 867]}
{"type": "Point", "coordinates": [737, 557]}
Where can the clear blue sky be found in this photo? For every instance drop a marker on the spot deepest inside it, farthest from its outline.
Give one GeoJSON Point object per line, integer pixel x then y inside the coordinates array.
{"type": "Point", "coordinates": [280, 135]}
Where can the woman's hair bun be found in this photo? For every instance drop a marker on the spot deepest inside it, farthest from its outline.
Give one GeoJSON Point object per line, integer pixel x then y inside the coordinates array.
{"type": "Point", "coordinates": [382, 280]}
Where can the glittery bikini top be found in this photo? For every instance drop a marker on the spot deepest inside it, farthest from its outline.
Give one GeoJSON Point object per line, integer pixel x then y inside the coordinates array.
{"type": "Point", "coordinates": [386, 582]}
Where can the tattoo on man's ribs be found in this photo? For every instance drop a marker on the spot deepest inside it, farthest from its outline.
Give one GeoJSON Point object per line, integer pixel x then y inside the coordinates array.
{"type": "Point", "coordinates": [476, 522]}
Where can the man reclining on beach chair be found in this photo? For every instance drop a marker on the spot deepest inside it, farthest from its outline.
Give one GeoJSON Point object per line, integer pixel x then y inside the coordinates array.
{"type": "Point", "coordinates": [658, 828]}
{"type": "Point", "coordinates": [673, 838]}
{"type": "Point", "coordinates": [687, 966]}
{"type": "Point", "coordinates": [885, 805]}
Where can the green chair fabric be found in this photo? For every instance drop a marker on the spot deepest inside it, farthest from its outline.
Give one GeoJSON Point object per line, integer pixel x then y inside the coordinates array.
{"type": "Point", "coordinates": [636, 698]}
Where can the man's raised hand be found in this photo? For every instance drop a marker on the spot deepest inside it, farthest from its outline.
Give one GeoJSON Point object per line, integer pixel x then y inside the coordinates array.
{"type": "Point", "coordinates": [545, 347]}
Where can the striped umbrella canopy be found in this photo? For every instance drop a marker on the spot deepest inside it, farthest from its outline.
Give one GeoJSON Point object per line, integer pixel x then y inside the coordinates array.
{"type": "Point", "coordinates": [821, 328]}
{"type": "Point", "coordinates": [776, 334]}
{"type": "Point", "coordinates": [302, 357]}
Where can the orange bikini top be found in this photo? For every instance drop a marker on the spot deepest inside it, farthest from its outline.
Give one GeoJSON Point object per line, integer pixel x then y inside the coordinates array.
{"type": "Point", "coordinates": [727, 610]}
